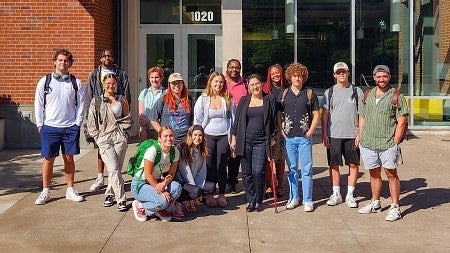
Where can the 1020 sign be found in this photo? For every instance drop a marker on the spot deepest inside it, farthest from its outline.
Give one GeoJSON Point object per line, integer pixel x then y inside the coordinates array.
{"type": "Point", "coordinates": [202, 16]}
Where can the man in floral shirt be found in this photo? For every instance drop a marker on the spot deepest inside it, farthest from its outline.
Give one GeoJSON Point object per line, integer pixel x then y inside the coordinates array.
{"type": "Point", "coordinates": [298, 118]}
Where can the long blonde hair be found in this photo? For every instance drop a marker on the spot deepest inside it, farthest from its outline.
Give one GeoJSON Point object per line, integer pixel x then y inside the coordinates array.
{"type": "Point", "coordinates": [223, 92]}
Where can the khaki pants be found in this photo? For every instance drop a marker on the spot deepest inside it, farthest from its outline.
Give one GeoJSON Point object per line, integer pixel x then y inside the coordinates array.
{"type": "Point", "coordinates": [113, 147]}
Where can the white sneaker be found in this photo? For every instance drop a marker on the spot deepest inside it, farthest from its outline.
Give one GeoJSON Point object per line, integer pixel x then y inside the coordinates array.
{"type": "Point", "coordinates": [309, 206]}
{"type": "Point", "coordinates": [73, 195]}
{"type": "Point", "coordinates": [139, 211]}
{"type": "Point", "coordinates": [393, 213]}
{"type": "Point", "coordinates": [293, 203]}
{"type": "Point", "coordinates": [374, 206]}
{"type": "Point", "coordinates": [351, 202]}
{"type": "Point", "coordinates": [98, 184]}
{"type": "Point", "coordinates": [43, 198]}
{"type": "Point", "coordinates": [334, 200]}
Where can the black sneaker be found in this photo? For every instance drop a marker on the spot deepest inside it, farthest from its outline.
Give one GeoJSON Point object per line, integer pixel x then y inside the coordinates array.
{"type": "Point", "coordinates": [122, 206]}
{"type": "Point", "coordinates": [109, 201]}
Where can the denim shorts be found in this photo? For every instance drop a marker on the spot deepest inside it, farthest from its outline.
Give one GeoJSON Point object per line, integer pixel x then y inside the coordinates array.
{"type": "Point", "coordinates": [55, 138]}
{"type": "Point", "coordinates": [386, 158]}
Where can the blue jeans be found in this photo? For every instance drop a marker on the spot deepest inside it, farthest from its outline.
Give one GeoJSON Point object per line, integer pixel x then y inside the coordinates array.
{"type": "Point", "coordinates": [299, 147]}
{"type": "Point", "coordinates": [253, 166]}
{"type": "Point", "coordinates": [150, 199]}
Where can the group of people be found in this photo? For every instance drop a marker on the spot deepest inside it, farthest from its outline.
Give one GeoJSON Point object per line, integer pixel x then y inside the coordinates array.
{"type": "Point", "coordinates": [235, 122]}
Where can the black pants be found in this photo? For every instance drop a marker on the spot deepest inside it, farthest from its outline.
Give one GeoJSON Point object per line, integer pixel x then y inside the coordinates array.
{"type": "Point", "coordinates": [216, 161]}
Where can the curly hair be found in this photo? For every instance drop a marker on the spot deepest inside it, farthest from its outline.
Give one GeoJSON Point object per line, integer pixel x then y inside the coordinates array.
{"type": "Point", "coordinates": [156, 69]}
{"type": "Point", "coordinates": [223, 92]}
{"type": "Point", "coordinates": [63, 51]}
{"type": "Point", "coordinates": [297, 69]}
{"type": "Point", "coordinates": [187, 146]}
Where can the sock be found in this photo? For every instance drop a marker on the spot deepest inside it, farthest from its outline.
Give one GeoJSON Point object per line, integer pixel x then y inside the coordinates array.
{"type": "Point", "coordinates": [350, 190]}
{"type": "Point", "coordinates": [46, 190]}
{"type": "Point", "coordinates": [376, 202]}
{"type": "Point", "coordinates": [336, 190]}
{"type": "Point", "coordinates": [69, 188]}
{"type": "Point", "coordinates": [100, 175]}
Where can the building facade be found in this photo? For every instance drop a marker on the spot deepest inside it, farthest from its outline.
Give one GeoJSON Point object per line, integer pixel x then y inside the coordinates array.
{"type": "Point", "coordinates": [412, 37]}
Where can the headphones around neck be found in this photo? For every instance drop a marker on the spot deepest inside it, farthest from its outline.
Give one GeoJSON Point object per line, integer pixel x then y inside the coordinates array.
{"type": "Point", "coordinates": [60, 77]}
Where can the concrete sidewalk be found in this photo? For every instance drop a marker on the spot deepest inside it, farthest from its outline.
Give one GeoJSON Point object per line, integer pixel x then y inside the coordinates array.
{"type": "Point", "coordinates": [66, 226]}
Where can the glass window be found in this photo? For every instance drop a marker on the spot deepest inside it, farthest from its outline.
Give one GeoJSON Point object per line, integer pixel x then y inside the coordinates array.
{"type": "Point", "coordinates": [160, 12]}
{"type": "Point", "coordinates": [201, 61]}
{"type": "Point", "coordinates": [202, 12]}
{"type": "Point", "coordinates": [323, 38]}
{"type": "Point", "coordinates": [160, 52]}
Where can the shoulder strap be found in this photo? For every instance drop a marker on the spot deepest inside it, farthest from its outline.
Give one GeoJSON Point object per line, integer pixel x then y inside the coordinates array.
{"type": "Point", "coordinates": [158, 153]}
{"type": "Point", "coordinates": [172, 154]}
{"type": "Point", "coordinates": [73, 79]}
{"type": "Point", "coordinates": [366, 94]}
{"type": "Point", "coordinates": [395, 98]}
{"type": "Point", "coordinates": [330, 94]}
{"type": "Point", "coordinates": [284, 95]}
{"type": "Point", "coordinates": [98, 102]}
{"type": "Point", "coordinates": [48, 78]}
{"type": "Point", "coordinates": [309, 94]}
{"type": "Point", "coordinates": [355, 96]}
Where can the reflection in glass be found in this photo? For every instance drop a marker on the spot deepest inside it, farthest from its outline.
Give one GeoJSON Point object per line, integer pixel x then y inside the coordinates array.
{"type": "Point", "coordinates": [201, 61]}
{"type": "Point", "coordinates": [160, 52]}
{"type": "Point", "coordinates": [160, 12]}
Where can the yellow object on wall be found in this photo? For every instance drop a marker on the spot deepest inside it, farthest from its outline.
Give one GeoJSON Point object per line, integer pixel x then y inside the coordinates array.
{"type": "Point", "coordinates": [428, 109]}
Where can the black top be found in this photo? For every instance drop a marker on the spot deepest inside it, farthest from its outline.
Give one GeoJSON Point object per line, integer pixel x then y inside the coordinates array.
{"type": "Point", "coordinates": [255, 118]}
{"type": "Point", "coordinates": [240, 123]}
{"type": "Point", "coordinates": [297, 118]}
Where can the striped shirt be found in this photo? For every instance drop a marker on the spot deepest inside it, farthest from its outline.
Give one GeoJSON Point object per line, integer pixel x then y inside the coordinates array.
{"type": "Point", "coordinates": [379, 120]}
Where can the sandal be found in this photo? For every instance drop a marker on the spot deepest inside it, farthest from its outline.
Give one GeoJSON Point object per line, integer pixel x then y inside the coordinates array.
{"type": "Point", "coordinates": [211, 201]}
{"type": "Point", "coordinates": [189, 205]}
{"type": "Point", "coordinates": [268, 194]}
{"type": "Point", "coordinates": [222, 201]}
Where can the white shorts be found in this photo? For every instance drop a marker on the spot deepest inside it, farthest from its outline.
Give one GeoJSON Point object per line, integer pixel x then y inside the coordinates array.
{"type": "Point", "coordinates": [386, 158]}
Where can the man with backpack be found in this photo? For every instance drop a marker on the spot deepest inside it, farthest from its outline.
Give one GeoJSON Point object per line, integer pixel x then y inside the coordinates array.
{"type": "Point", "coordinates": [298, 118]}
{"type": "Point", "coordinates": [59, 103]}
{"type": "Point", "coordinates": [382, 125]}
{"type": "Point", "coordinates": [339, 130]}
{"type": "Point", "coordinates": [94, 87]}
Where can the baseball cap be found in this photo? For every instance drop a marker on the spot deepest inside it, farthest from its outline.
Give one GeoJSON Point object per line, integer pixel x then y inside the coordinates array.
{"type": "Point", "coordinates": [381, 68]}
{"type": "Point", "coordinates": [340, 65]}
{"type": "Point", "coordinates": [175, 77]}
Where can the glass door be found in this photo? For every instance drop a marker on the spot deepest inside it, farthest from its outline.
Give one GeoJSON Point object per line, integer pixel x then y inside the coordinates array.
{"type": "Point", "coordinates": [159, 48]}
{"type": "Point", "coordinates": [204, 54]}
{"type": "Point", "coordinates": [193, 52]}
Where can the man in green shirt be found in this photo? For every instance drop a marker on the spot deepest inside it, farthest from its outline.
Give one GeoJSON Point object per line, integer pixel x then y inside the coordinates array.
{"type": "Point", "coordinates": [381, 127]}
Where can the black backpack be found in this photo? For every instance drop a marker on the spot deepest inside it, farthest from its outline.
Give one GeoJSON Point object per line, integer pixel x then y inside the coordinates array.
{"type": "Point", "coordinates": [48, 78]}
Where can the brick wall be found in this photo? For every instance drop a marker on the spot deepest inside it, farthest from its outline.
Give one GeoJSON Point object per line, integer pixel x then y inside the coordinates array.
{"type": "Point", "coordinates": [32, 30]}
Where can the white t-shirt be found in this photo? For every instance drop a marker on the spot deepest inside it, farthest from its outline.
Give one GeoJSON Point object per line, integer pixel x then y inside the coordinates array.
{"type": "Point", "coordinates": [164, 164]}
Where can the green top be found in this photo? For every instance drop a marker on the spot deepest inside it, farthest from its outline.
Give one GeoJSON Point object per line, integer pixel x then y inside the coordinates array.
{"type": "Point", "coordinates": [380, 120]}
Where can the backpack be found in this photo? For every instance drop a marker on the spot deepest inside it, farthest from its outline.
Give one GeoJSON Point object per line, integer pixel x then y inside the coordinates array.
{"type": "Point", "coordinates": [134, 162]}
{"type": "Point", "coordinates": [354, 95]}
{"type": "Point", "coordinates": [395, 106]}
{"type": "Point", "coordinates": [48, 78]}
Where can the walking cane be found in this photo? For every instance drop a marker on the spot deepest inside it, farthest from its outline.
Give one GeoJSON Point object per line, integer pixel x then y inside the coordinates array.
{"type": "Point", "coordinates": [272, 170]}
